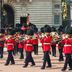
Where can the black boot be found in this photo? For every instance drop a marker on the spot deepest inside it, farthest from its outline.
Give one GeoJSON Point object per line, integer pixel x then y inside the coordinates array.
{"type": "Point", "coordinates": [42, 67]}
{"type": "Point", "coordinates": [70, 69]}
{"type": "Point", "coordinates": [6, 64]}
{"type": "Point", "coordinates": [25, 65]}
{"type": "Point", "coordinates": [33, 65]}
{"type": "Point", "coordinates": [63, 69]}
{"type": "Point", "coordinates": [12, 63]}
{"type": "Point", "coordinates": [44, 63]}
{"type": "Point", "coordinates": [49, 66]}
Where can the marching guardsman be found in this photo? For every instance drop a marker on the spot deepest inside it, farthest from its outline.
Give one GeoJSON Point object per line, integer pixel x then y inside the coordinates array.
{"type": "Point", "coordinates": [41, 35]}
{"type": "Point", "coordinates": [16, 43]}
{"type": "Point", "coordinates": [54, 42]}
{"type": "Point", "coordinates": [67, 52]}
{"type": "Point", "coordinates": [46, 41]}
{"type": "Point", "coordinates": [70, 40]}
{"type": "Point", "coordinates": [1, 45]}
{"type": "Point", "coordinates": [28, 46]}
{"type": "Point", "coordinates": [61, 45]}
{"type": "Point", "coordinates": [60, 48]}
{"type": "Point", "coordinates": [20, 47]}
{"type": "Point", "coordinates": [10, 46]}
{"type": "Point", "coordinates": [71, 47]}
{"type": "Point", "coordinates": [35, 43]}
{"type": "Point", "coordinates": [53, 45]}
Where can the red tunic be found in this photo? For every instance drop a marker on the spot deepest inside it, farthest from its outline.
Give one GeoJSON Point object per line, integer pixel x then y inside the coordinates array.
{"type": "Point", "coordinates": [60, 44]}
{"type": "Point", "coordinates": [20, 45]}
{"type": "Point", "coordinates": [1, 44]}
{"type": "Point", "coordinates": [35, 40]}
{"type": "Point", "coordinates": [70, 41]}
{"type": "Point", "coordinates": [53, 43]}
{"type": "Point", "coordinates": [2, 41]}
{"type": "Point", "coordinates": [67, 46]}
{"type": "Point", "coordinates": [46, 41]}
{"type": "Point", "coordinates": [28, 45]}
{"type": "Point", "coordinates": [10, 44]}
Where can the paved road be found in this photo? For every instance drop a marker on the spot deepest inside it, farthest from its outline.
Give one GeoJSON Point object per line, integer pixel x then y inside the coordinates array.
{"type": "Point", "coordinates": [56, 65]}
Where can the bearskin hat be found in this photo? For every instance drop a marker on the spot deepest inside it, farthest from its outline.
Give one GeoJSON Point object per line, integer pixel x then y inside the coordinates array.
{"type": "Point", "coordinates": [42, 29]}
{"type": "Point", "coordinates": [47, 28]}
{"type": "Point", "coordinates": [53, 29]}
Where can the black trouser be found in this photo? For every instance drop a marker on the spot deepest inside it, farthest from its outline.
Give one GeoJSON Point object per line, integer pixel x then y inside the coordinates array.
{"type": "Point", "coordinates": [21, 53]}
{"type": "Point", "coordinates": [29, 58]}
{"type": "Point", "coordinates": [61, 54]}
{"type": "Point", "coordinates": [15, 51]}
{"type": "Point", "coordinates": [36, 49]}
{"type": "Point", "coordinates": [10, 58]}
{"type": "Point", "coordinates": [67, 61]}
{"type": "Point", "coordinates": [46, 59]}
{"type": "Point", "coordinates": [71, 57]}
{"type": "Point", "coordinates": [1, 52]}
{"type": "Point", "coordinates": [53, 50]}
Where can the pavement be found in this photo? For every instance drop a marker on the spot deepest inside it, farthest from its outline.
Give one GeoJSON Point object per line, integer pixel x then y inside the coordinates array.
{"type": "Point", "coordinates": [18, 67]}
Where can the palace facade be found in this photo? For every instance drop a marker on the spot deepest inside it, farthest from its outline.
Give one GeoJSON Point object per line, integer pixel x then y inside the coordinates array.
{"type": "Point", "coordinates": [41, 12]}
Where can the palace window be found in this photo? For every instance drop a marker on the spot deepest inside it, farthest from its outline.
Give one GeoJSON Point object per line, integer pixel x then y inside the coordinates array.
{"type": "Point", "coordinates": [57, 6]}
{"type": "Point", "coordinates": [56, 19]}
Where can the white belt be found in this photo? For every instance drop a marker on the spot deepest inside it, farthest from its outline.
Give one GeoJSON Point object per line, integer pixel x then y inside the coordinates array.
{"type": "Point", "coordinates": [29, 44]}
{"type": "Point", "coordinates": [9, 44]}
{"type": "Point", "coordinates": [67, 45]}
{"type": "Point", "coordinates": [46, 43]}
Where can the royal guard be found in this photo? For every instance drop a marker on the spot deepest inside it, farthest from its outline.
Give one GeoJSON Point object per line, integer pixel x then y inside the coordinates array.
{"type": "Point", "coordinates": [46, 41]}
{"type": "Point", "coordinates": [28, 43]}
{"type": "Point", "coordinates": [15, 47]}
{"type": "Point", "coordinates": [16, 43]}
{"type": "Point", "coordinates": [41, 36]}
{"type": "Point", "coordinates": [53, 45]}
{"type": "Point", "coordinates": [1, 45]}
{"type": "Point", "coordinates": [10, 46]}
{"type": "Point", "coordinates": [60, 48]}
{"type": "Point", "coordinates": [70, 39]}
{"type": "Point", "coordinates": [20, 47]}
{"type": "Point", "coordinates": [67, 52]}
{"type": "Point", "coordinates": [35, 43]}
{"type": "Point", "coordinates": [54, 42]}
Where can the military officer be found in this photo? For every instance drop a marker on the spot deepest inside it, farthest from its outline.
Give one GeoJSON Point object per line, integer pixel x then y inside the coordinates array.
{"type": "Point", "coordinates": [10, 46]}
{"type": "Point", "coordinates": [28, 46]}
{"type": "Point", "coordinates": [35, 43]}
{"type": "Point", "coordinates": [20, 47]}
{"type": "Point", "coordinates": [46, 41]}
{"type": "Point", "coordinates": [60, 48]}
{"type": "Point", "coordinates": [67, 52]}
